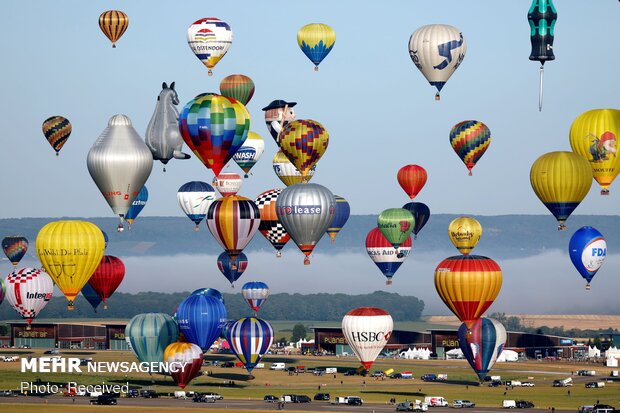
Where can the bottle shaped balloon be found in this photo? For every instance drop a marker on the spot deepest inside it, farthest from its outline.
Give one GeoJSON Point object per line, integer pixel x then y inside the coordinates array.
{"type": "Point", "coordinates": [209, 38]}
{"type": "Point", "coordinates": [270, 226]}
{"type": "Point", "coordinates": [107, 277]}
{"type": "Point", "coordinates": [187, 357]}
{"type": "Point", "coordinates": [303, 142]}
{"type": "Point", "coordinates": [251, 151]}
{"type": "Point", "coordinates": [15, 247]}
{"type": "Point", "coordinates": [561, 180]}
{"type": "Point", "coordinates": [594, 135]}
{"type": "Point", "coordinates": [28, 290]}
{"type": "Point", "coordinates": [464, 233]}
{"type": "Point", "coordinates": [228, 183]}
{"type": "Point", "coordinates": [437, 50]}
{"type": "Point", "coordinates": [587, 249]}
{"type": "Point", "coordinates": [341, 216]}
{"type": "Point", "coordinates": [383, 254]}
{"type": "Point", "coordinates": [195, 198]}
{"type": "Point", "coordinates": [421, 214]}
{"type": "Point", "coordinates": [149, 334]}
{"type": "Point", "coordinates": [396, 225]}
{"type": "Point", "coordinates": [120, 163]}
{"type": "Point", "coordinates": [316, 40]}
{"type": "Point", "coordinates": [482, 344]}
{"type": "Point", "coordinates": [255, 293]}
{"type": "Point", "coordinates": [470, 139]}
{"type": "Point", "coordinates": [287, 172]}
{"type": "Point", "coordinates": [239, 87]}
{"type": "Point", "coordinates": [57, 130]}
{"type": "Point", "coordinates": [367, 331]}
{"type": "Point", "coordinates": [137, 206]}
{"type": "Point", "coordinates": [113, 24]}
{"type": "Point", "coordinates": [412, 179]}
{"type": "Point", "coordinates": [250, 339]}
{"type": "Point", "coordinates": [542, 17]}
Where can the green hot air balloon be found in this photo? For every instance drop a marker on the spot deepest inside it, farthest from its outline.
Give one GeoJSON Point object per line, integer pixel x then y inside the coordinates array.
{"type": "Point", "coordinates": [149, 334]}
{"type": "Point", "coordinates": [396, 224]}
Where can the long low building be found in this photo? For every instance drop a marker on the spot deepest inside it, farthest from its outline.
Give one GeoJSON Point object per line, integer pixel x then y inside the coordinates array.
{"type": "Point", "coordinates": [69, 335]}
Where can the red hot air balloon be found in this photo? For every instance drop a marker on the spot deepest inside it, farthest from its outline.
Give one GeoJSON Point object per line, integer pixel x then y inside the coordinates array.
{"type": "Point", "coordinates": [107, 277]}
{"type": "Point", "coordinates": [412, 179]}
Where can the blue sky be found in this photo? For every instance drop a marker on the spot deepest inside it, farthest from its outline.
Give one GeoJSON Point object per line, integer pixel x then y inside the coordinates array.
{"type": "Point", "coordinates": [379, 110]}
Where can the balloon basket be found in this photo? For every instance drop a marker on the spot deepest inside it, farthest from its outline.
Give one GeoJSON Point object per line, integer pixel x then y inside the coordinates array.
{"type": "Point", "coordinates": [56, 153]}
{"type": "Point", "coordinates": [279, 254]}
{"type": "Point", "coordinates": [28, 327]}
{"type": "Point", "coordinates": [70, 306]}
{"type": "Point", "coordinates": [196, 228]}
{"type": "Point", "coordinates": [113, 45]}
{"type": "Point", "coordinates": [233, 267]}
{"type": "Point", "coordinates": [588, 287]}
{"type": "Point", "coordinates": [105, 306]}
{"type": "Point", "coordinates": [164, 169]}
{"type": "Point", "coordinates": [470, 173]}
{"type": "Point", "coordinates": [120, 228]}
{"type": "Point", "coordinates": [605, 192]}
{"type": "Point", "coordinates": [437, 96]}
{"type": "Point", "coordinates": [246, 176]}
{"type": "Point", "coordinates": [388, 281]}
{"type": "Point", "coordinates": [561, 227]}
{"type": "Point", "coordinates": [316, 68]}
{"type": "Point", "coordinates": [210, 72]}
{"type": "Point", "coordinates": [306, 261]}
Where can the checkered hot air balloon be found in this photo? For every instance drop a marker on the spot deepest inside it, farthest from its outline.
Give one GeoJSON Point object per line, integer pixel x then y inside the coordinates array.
{"type": "Point", "coordinates": [270, 226]}
{"type": "Point", "coordinates": [250, 338]}
{"type": "Point", "coordinates": [470, 139]}
{"type": "Point", "coordinates": [28, 291]}
{"type": "Point", "coordinates": [303, 142]}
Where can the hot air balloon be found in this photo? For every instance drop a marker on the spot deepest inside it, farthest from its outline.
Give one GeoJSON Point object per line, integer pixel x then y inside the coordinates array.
{"type": "Point", "coordinates": [120, 163]}
{"type": "Point", "coordinates": [105, 239]}
{"type": "Point", "coordinates": [593, 135]}
{"type": "Point", "coordinates": [542, 17]}
{"type": "Point", "coordinates": [395, 224]}
{"type": "Point", "coordinates": [214, 127]}
{"type": "Point", "coordinates": [195, 198]}
{"type": "Point", "coordinates": [137, 206]}
{"type": "Point", "coordinates": [306, 211]}
{"type": "Point", "coordinates": [412, 179]}
{"type": "Point", "coordinates": [91, 296]}
{"type": "Point", "coordinates": [107, 277]}
{"type": "Point", "coordinates": [251, 151]}
{"type": "Point", "coordinates": [233, 221]}
{"type": "Point", "coordinates": [470, 140]}
{"type": "Point", "coordinates": [367, 330]}
{"type": "Point", "coordinates": [228, 183]}
{"type": "Point", "coordinates": [464, 233]}
{"type": "Point", "coordinates": [28, 290]}
{"type": "Point", "coordinates": [239, 87]}
{"type": "Point", "coordinates": [70, 252]}
{"type": "Point", "coordinates": [270, 226]}
{"type": "Point", "coordinates": [255, 293]}
{"type": "Point", "coordinates": [201, 318]}
{"type": "Point", "coordinates": [2, 290]}
{"type": "Point", "coordinates": [587, 249]}
{"type": "Point", "coordinates": [421, 213]}
{"type": "Point", "coordinates": [316, 40]}
{"type": "Point", "coordinates": [250, 339]}
{"type": "Point", "coordinates": [437, 50]}
{"type": "Point", "coordinates": [15, 247]}
{"type": "Point", "coordinates": [468, 285]}
{"type": "Point", "coordinates": [561, 180]}
{"type": "Point", "coordinates": [187, 359]}
{"type": "Point", "coordinates": [482, 344]}
{"type": "Point", "coordinates": [278, 113]}
{"type": "Point", "coordinates": [113, 24]}
{"type": "Point", "coordinates": [287, 172]}
{"type": "Point", "coordinates": [210, 292]}
{"type": "Point", "coordinates": [149, 334]}
{"type": "Point", "coordinates": [209, 39]}
{"type": "Point", "coordinates": [57, 130]}
{"type": "Point", "coordinates": [382, 253]}
{"type": "Point", "coordinates": [225, 264]}
{"type": "Point", "coordinates": [303, 142]}
{"type": "Point", "coordinates": [341, 216]}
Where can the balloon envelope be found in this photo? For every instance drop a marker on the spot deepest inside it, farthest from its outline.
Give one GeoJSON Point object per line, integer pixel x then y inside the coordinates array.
{"type": "Point", "coordinates": [383, 254]}
{"type": "Point", "coordinates": [482, 344]}
{"type": "Point", "coordinates": [367, 330]}
{"type": "Point", "coordinates": [209, 39]}
{"type": "Point", "coordinates": [470, 140]}
{"type": "Point", "coordinates": [303, 142]}
{"type": "Point", "coordinates": [149, 334]}
{"type": "Point", "coordinates": [412, 179]}
{"type": "Point", "coordinates": [255, 293]}
{"type": "Point", "coordinates": [91, 296]}
{"type": "Point", "coordinates": [464, 233]}
{"type": "Point", "coordinates": [195, 198]}
{"type": "Point", "coordinates": [316, 40]}
{"type": "Point", "coordinates": [211, 292]}
{"type": "Point", "coordinates": [107, 277]}
{"type": "Point", "coordinates": [239, 87]}
{"type": "Point", "coordinates": [421, 213]}
{"type": "Point", "coordinates": [287, 172]}
{"type": "Point", "coordinates": [201, 318]}
{"type": "Point", "coordinates": [57, 130]}
{"type": "Point", "coordinates": [113, 24]}
{"type": "Point", "coordinates": [587, 249]}
{"type": "Point", "coordinates": [228, 183]}
{"type": "Point", "coordinates": [15, 247]}
{"type": "Point", "coordinates": [341, 216]}
{"type": "Point", "coordinates": [28, 291]}
{"type": "Point", "coordinates": [250, 339]}
{"type": "Point", "coordinates": [395, 224]}
{"type": "Point", "coordinates": [251, 151]}
{"type": "Point", "coordinates": [188, 360]}
{"type": "Point", "coordinates": [137, 205]}
{"type": "Point", "coordinates": [270, 226]}
{"type": "Point", "coordinates": [232, 271]}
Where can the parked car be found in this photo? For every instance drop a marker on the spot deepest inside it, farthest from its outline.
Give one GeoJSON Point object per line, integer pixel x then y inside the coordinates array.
{"type": "Point", "coordinates": [201, 398]}
{"type": "Point", "coordinates": [7, 393]}
{"type": "Point", "coordinates": [227, 364]}
{"type": "Point", "coordinates": [409, 406]}
{"type": "Point", "coordinates": [133, 393]}
{"type": "Point", "coordinates": [429, 377]}
{"type": "Point", "coordinates": [595, 384]}
{"type": "Point", "coordinates": [462, 403]}
{"type": "Point", "coordinates": [396, 376]}
{"type": "Point", "coordinates": [301, 398]}
{"type": "Point", "coordinates": [149, 394]}
{"type": "Point", "coordinates": [602, 408]}
{"type": "Point", "coordinates": [321, 396]}
{"type": "Point", "coordinates": [377, 373]}
{"type": "Point", "coordinates": [52, 351]}
{"type": "Point", "coordinates": [527, 384]}
{"type": "Point", "coordinates": [270, 398]}
{"type": "Point", "coordinates": [354, 401]}
{"type": "Point", "coordinates": [104, 399]}
{"type": "Point", "coordinates": [524, 404]}
{"type": "Point", "coordinates": [214, 396]}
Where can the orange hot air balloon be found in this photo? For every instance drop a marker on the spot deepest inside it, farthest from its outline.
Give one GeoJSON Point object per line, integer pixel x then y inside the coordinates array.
{"type": "Point", "coordinates": [113, 24]}
{"type": "Point", "coordinates": [468, 285]}
{"type": "Point", "coordinates": [412, 179]}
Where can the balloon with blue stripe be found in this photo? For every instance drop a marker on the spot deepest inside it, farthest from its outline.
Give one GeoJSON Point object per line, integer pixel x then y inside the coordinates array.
{"type": "Point", "coordinates": [587, 249]}
{"type": "Point", "coordinates": [201, 318]}
{"type": "Point", "coordinates": [482, 344]}
{"type": "Point", "coordinates": [341, 216]}
{"type": "Point", "coordinates": [93, 298]}
{"type": "Point", "coordinates": [149, 334]}
{"type": "Point", "coordinates": [250, 339]}
{"type": "Point", "coordinates": [137, 205]}
{"type": "Point", "coordinates": [195, 198]}
{"type": "Point", "coordinates": [255, 293]}
{"type": "Point", "coordinates": [225, 264]}
{"type": "Point", "coordinates": [211, 292]}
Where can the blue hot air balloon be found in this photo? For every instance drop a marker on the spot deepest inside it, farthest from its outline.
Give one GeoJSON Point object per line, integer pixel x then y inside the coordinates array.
{"type": "Point", "coordinates": [195, 198]}
{"type": "Point", "coordinates": [482, 344]}
{"type": "Point", "coordinates": [149, 334]}
{"type": "Point", "coordinates": [587, 249]}
{"type": "Point", "coordinates": [105, 239]}
{"type": "Point", "coordinates": [250, 339]}
{"type": "Point", "coordinates": [255, 293]}
{"type": "Point", "coordinates": [225, 264]}
{"type": "Point", "coordinates": [137, 205]}
{"type": "Point", "coordinates": [211, 292]}
{"type": "Point", "coordinates": [341, 216]}
{"type": "Point", "coordinates": [226, 328]}
{"type": "Point", "coordinates": [93, 298]}
{"type": "Point", "coordinates": [421, 213]}
{"type": "Point", "coordinates": [201, 318]}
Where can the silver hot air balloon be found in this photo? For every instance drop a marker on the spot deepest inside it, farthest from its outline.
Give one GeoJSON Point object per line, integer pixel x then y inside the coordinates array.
{"type": "Point", "coordinates": [120, 163]}
{"type": "Point", "coordinates": [306, 211]}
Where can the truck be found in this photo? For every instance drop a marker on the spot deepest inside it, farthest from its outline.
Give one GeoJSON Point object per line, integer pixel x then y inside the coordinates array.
{"type": "Point", "coordinates": [339, 400]}
{"type": "Point", "coordinates": [442, 377]}
{"type": "Point", "coordinates": [435, 401]}
{"type": "Point", "coordinates": [331, 370]}
{"type": "Point", "coordinates": [409, 406]}
{"type": "Point", "coordinates": [595, 385]}
{"type": "Point", "coordinates": [277, 366]}
{"type": "Point", "coordinates": [563, 382]}
{"type": "Point", "coordinates": [509, 404]}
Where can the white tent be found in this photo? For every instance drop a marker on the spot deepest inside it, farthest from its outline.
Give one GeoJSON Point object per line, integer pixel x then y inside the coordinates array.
{"type": "Point", "coordinates": [455, 353]}
{"type": "Point", "coordinates": [612, 352]}
{"type": "Point", "coordinates": [612, 362]}
{"type": "Point", "coordinates": [416, 353]}
{"type": "Point", "coordinates": [508, 355]}
{"type": "Point", "coordinates": [594, 352]}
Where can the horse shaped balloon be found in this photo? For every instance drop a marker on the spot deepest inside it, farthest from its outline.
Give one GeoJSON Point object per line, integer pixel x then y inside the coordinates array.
{"type": "Point", "coordinates": [162, 133]}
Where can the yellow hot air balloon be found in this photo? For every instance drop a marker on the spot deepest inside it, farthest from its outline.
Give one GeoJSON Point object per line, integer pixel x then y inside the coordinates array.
{"type": "Point", "coordinates": [303, 142]}
{"type": "Point", "coordinates": [561, 180]}
{"type": "Point", "coordinates": [594, 136]}
{"type": "Point", "coordinates": [113, 24]}
{"type": "Point", "coordinates": [316, 40]}
{"type": "Point", "coordinates": [465, 232]}
{"type": "Point", "coordinates": [70, 252]}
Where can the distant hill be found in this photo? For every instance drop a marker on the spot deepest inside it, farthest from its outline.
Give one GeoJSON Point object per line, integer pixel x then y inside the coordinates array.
{"type": "Point", "coordinates": [505, 236]}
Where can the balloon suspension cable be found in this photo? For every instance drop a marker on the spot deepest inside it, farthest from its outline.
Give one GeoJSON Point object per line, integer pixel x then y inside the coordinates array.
{"type": "Point", "coordinates": [279, 254]}
{"type": "Point", "coordinates": [604, 191]}
{"type": "Point", "coordinates": [437, 96]}
{"type": "Point", "coordinates": [540, 88]}
{"type": "Point", "coordinates": [588, 286]}
{"type": "Point", "coordinates": [306, 260]}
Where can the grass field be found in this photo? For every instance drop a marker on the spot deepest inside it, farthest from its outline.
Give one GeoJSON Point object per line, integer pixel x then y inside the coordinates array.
{"type": "Point", "coordinates": [235, 383]}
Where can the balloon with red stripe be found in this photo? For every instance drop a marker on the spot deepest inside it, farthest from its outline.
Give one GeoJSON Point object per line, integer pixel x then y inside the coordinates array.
{"type": "Point", "coordinates": [15, 247]}
{"type": "Point", "coordinates": [470, 140]}
{"type": "Point", "coordinates": [383, 254]}
{"type": "Point", "coordinates": [255, 293]}
{"type": "Point", "coordinates": [107, 277]}
{"type": "Point", "coordinates": [367, 330]}
{"type": "Point", "coordinates": [28, 291]}
{"type": "Point", "coordinates": [482, 344]}
{"type": "Point", "coordinates": [187, 359]}
{"type": "Point", "coordinates": [250, 338]}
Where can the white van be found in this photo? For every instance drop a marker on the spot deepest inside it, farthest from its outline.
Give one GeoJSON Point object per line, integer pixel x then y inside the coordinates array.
{"type": "Point", "coordinates": [277, 366]}
{"type": "Point", "coordinates": [435, 401]}
{"type": "Point", "coordinates": [180, 395]}
{"type": "Point", "coordinates": [509, 404]}
{"type": "Point", "coordinates": [331, 370]}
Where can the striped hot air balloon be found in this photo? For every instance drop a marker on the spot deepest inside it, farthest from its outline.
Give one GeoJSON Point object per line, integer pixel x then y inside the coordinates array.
{"type": "Point", "coordinates": [57, 130]}
{"type": "Point", "coordinates": [233, 221]}
{"type": "Point", "coordinates": [250, 339]}
{"type": "Point", "coordinates": [470, 140]}
{"type": "Point", "coordinates": [188, 361]}
{"type": "Point", "coordinates": [482, 344]}
{"type": "Point", "coordinates": [228, 183]}
{"type": "Point", "coordinates": [383, 254]}
{"type": "Point", "coordinates": [341, 216]}
{"type": "Point", "coordinates": [287, 172]}
{"type": "Point", "coordinates": [255, 293]}
{"type": "Point", "coordinates": [316, 40]}
{"type": "Point", "coordinates": [2, 290]}
{"type": "Point", "coordinates": [303, 142]}
{"type": "Point", "coordinates": [28, 291]}
{"type": "Point", "coordinates": [201, 318]}
{"type": "Point", "coordinates": [15, 247]}
{"type": "Point", "coordinates": [239, 87]}
{"type": "Point", "coordinates": [107, 277]}
{"type": "Point", "coordinates": [468, 285]}
{"type": "Point", "coordinates": [270, 226]}
{"type": "Point", "coordinates": [149, 334]}
{"type": "Point", "coordinates": [225, 265]}
{"type": "Point", "coordinates": [113, 24]}
{"type": "Point", "coordinates": [137, 206]}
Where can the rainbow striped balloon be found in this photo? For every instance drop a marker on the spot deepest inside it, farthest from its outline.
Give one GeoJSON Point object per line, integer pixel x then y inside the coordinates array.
{"type": "Point", "coordinates": [250, 339]}
{"type": "Point", "coordinates": [15, 248]}
{"type": "Point", "coordinates": [470, 140]}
